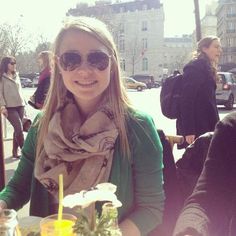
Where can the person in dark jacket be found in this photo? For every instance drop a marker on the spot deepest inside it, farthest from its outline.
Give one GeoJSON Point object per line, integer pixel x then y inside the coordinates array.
{"type": "Point", "coordinates": [211, 209]}
{"type": "Point", "coordinates": [45, 62]}
{"type": "Point", "coordinates": [198, 110]}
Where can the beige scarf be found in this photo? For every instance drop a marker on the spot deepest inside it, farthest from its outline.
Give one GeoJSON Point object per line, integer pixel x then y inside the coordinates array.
{"type": "Point", "coordinates": [82, 152]}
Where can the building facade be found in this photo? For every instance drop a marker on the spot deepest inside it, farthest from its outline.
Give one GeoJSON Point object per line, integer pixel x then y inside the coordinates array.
{"type": "Point", "coordinates": [138, 30]}
{"type": "Point", "coordinates": [209, 21]}
{"type": "Point", "coordinates": [226, 30]}
{"type": "Point", "coordinates": [177, 51]}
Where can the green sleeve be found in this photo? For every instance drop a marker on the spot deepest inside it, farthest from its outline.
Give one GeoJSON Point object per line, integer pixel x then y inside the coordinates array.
{"type": "Point", "coordinates": [17, 192]}
{"type": "Point", "coordinates": [148, 176]}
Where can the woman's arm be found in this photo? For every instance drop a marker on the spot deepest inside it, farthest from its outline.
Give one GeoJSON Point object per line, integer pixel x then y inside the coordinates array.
{"type": "Point", "coordinates": [208, 207]}
{"type": "Point", "coordinates": [42, 90]}
{"type": "Point", "coordinates": [2, 100]}
{"type": "Point", "coordinates": [148, 180]}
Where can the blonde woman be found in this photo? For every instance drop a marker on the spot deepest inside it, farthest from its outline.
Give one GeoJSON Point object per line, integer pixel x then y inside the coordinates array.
{"type": "Point", "coordinates": [45, 63]}
{"type": "Point", "coordinates": [198, 110]}
{"type": "Point", "coordinates": [12, 101]}
{"type": "Point", "coordinates": [90, 133]}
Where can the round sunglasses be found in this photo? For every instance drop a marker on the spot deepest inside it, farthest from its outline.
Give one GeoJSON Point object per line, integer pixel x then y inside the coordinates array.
{"type": "Point", "coordinates": [71, 60]}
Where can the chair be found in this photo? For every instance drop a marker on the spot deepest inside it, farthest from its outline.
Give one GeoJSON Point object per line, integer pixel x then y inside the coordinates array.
{"type": "Point", "coordinates": [173, 200]}
{"type": "Point", "coordinates": [175, 139]}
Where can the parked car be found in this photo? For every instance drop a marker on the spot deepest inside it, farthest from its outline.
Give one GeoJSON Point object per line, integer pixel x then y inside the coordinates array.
{"type": "Point", "coordinates": [131, 83]}
{"type": "Point", "coordinates": [226, 89]}
{"type": "Point", "coordinates": [147, 79]}
{"type": "Point", "coordinates": [25, 82]}
{"type": "Point", "coordinates": [35, 81]}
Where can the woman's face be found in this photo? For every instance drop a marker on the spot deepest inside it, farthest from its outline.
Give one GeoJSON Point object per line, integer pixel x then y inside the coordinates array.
{"type": "Point", "coordinates": [86, 68]}
{"type": "Point", "coordinates": [11, 67]}
{"type": "Point", "coordinates": [213, 51]}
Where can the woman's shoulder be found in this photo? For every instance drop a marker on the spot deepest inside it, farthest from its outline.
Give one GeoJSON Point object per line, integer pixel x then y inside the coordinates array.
{"type": "Point", "coordinates": [136, 115]}
{"type": "Point", "coordinates": [196, 64]}
{"type": "Point", "coordinates": [36, 121]}
{"type": "Point", "coordinates": [140, 121]}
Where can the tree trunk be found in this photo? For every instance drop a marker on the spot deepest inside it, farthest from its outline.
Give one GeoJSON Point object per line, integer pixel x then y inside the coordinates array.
{"type": "Point", "coordinates": [197, 20]}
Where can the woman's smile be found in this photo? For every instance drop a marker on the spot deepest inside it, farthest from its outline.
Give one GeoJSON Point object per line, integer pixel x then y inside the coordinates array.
{"type": "Point", "coordinates": [86, 84]}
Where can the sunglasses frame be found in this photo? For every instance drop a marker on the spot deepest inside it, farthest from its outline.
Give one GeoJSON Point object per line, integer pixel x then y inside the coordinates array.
{"type": "Point", "coordinates": [82, 58]}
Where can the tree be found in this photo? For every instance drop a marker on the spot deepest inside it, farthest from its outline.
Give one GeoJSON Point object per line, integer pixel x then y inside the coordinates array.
{"type": "Point", "coordinates": [13, 39]}
{"type": "Point", "coordinates": [197, 20]}
{"type": "Point", "coordinates": [134, 52]}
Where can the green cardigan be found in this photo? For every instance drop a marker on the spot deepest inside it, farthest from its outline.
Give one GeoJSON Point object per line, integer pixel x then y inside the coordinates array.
{"type": "Point", "coordinates": [139, 179]}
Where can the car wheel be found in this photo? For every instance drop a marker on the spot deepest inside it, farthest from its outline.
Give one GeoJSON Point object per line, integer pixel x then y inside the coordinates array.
{"type": "Point", "coordinates": [230, 103]}
{"type": "Point", "coordinates": [139, 88]}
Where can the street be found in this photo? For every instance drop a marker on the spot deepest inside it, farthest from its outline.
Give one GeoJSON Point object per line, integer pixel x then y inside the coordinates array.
{"type": "Point", "coordinates": [147, 100]}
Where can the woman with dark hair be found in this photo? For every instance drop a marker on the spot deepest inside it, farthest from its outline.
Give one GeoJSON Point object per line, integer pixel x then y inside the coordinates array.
{"type": "Point", "coordinates": [45, 63]}
{"type": "Point", "coordinates": [198, 109]}
{"type": "Point", "coordinates": [11, 100]}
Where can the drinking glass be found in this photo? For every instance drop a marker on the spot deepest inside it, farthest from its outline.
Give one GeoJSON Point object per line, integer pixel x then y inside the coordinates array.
{"type": "Point", "coordinates": [51, 226]}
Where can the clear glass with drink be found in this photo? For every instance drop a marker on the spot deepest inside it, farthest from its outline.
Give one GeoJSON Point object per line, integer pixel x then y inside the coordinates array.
{"type": "Point", "coordinates": [51, 226]}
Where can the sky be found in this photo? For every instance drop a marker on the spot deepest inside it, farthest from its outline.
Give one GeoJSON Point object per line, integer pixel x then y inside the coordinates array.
{"type": "Point", "coordinates": [44, 17]}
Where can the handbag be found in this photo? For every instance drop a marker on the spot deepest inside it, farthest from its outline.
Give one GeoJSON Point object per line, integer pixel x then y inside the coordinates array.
{"type": "Point", "coordinates": [26, 124]}
{"type": "Point", "coordinates": [32, 103]}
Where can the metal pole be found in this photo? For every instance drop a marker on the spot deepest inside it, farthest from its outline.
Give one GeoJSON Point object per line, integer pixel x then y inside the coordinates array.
{"type": "Point", "coordinates": [2, 163]}
{"type": "Point", "coordinates": [197, 20]}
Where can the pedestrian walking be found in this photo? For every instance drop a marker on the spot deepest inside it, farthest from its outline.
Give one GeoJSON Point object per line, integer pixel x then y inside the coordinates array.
{"type": "Point", "coordinates": [198, 112]}
{"type": "Point", "coordinates": [12, 101]}
{"type": "Point", "coordinates": [91, 134]}
{"type": "Point", "coordinates": [45, 63]}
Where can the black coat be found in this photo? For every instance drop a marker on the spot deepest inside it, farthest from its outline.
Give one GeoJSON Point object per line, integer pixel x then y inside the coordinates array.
{"type": "Point", "coordinates": [42, 89]}
{"type": "Point", "coordinates": [198, 110]}
{"type": "Point", "coordinates": [211, 209]}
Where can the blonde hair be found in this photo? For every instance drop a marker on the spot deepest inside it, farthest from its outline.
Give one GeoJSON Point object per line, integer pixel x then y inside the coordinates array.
{"type": "Point", "coordinates": [115, 93]}
{"type": "Point", "coordinates": [47, 58]}
{"type": "Point", "coordinates": [199, 53]}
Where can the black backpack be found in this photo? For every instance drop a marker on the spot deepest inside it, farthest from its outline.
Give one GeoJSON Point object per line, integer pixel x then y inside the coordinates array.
{"type": "Point", "coordinates": [170, 95]}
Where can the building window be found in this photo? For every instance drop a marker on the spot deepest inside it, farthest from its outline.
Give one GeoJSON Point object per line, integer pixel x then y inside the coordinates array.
{"type": "Point", "coordinates": [122, 9]}
{"type": "Point", "coordinates": [144, 43]}
{"type": "Point", "coordinates": [230, 27]}
{"type": "Point", "coordinates": [144, 26]}
{"type": "Point", "coordinates": [144, 7]}
{"type": "Point", "coordinates": [145, 64]}
{"type": "Point", "coordinates": [121, 45]}
{"type": "Point", "coordinates": [122, 28]}
{"type": "Point", "coordinates": [122, 64]}
{"type": "Point", "coordinates": [231, 12]}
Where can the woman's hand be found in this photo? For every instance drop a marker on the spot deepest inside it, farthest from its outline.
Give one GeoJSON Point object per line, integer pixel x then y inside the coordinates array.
{"type": "Point", "coordinates": [4, 111]}
{"type": "Point", "coordinates": [190, 138]}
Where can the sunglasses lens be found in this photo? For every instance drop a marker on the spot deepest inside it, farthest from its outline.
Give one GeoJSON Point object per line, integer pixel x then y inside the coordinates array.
{"type": "Point", "coordinates": [70, 60]}
{"type": "Point", "coordinates": [99, 60]}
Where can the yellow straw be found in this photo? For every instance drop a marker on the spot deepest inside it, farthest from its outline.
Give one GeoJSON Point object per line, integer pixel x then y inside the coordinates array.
{"type": "Point", "coordinates": [60, 207]}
